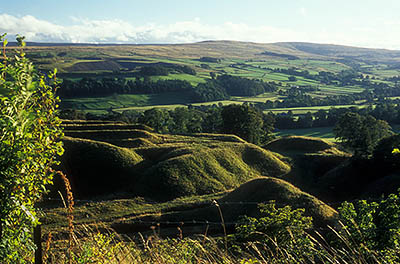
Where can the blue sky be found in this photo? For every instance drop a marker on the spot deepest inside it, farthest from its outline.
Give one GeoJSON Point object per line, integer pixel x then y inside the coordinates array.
{"type": "Point", "coordinates": [365, 23]}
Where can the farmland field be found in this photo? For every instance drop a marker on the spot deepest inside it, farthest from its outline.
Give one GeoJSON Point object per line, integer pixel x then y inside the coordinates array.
{"type": "Point", "coordinates": [247, 60]}
{"type": "Point", "coordinates": [320, 132]}
{"type": "Point", "coordinates": [125, 101]}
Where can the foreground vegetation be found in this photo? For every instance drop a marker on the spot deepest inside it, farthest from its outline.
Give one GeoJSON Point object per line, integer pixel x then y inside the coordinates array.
{"type": "Point", "coordinates": [368, 233]}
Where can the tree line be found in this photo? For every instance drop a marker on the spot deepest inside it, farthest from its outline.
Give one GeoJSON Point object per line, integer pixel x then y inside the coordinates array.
{"type": "Point", "coordinates": [218, 88]}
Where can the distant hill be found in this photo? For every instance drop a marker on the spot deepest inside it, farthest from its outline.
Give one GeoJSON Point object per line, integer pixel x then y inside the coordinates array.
{"type": "Point", "coordinates": [345, 52]}
{"type": "Point", "coordinates": [215, 49]}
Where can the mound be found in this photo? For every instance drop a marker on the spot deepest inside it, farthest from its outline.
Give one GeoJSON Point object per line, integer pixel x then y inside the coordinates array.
{"type": "Point", "coordinates": [280, 191]}
{"type": "Point", "coordinates": [161, 167]}
{"type": "Point", "coordinates": [200, 169]}
{"type": "Point", "coordinates": [101, 126]}
{"type": "Point", "coordinates": [97, 168]}
{"type": "Point", "coordinates": [300, 144]}
{"type": "Point", "coordinates": [244, 201]}
{"type": "Point", "coordinates": [358, 178]}
{"type": "Point", "coordinates": [112, 135]}
{"type": "Point", "coordinates": [310, 158]}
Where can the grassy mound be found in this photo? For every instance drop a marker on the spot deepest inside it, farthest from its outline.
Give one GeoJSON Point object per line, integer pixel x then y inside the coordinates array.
{"type": "Point", "coordinates": [301, 144]}
{"type": "Point", "coordinates": [357, 178]}
{"type": "Point", "coordinates": [280, 191]}
{"type": "Point", "coordinates": [96, 167]}
{"type": "Point", "coordinates": [199, 169]}
{"type": "Point", "coordinates": [244, 201]}
{"type": "Point", "coordinates": [110, 134]}
{"type": "Point", "coordinates": [102, 126]}
{"type": "Point", "coordinates": [159, 166]}
{"type": "Point", "coordinates": [310, 159]}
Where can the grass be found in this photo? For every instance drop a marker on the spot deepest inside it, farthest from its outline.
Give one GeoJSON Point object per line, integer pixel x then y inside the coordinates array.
{"type": "Point", "coordinates": [126, 101]}
{"type": "Point", "coordinates": [325, 133]}
{"type": "Point", "coordinates": [301, 143]}
{"type": "Point", "coordinates": [161, 166]}
{"type": "Point", "coordinates": [304, 110]}
{"type": "Point", "coordinates": [310, 158]}
{"type": "Point", "coordinates": [193, 79]}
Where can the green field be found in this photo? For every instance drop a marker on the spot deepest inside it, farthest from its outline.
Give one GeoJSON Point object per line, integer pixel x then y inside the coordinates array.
{"type": "Point", "coordinates": [100, 105]}
{"type": "Point", "coordinates": [193, 79]}
{"type": "Point", "coordinates": [319, 132]}
{"type": "Point", "coordinates": [235, 58]}
{"type": "Point", "coordinates": [312, 109]}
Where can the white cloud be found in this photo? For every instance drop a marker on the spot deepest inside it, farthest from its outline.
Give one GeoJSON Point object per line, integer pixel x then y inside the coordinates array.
{"type": "Point", "coordinates": [303, 11]}
{"type": "Point", "coordinates": [118, 31]}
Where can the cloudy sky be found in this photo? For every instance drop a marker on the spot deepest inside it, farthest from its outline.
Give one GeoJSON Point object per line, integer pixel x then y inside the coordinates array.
{"type": "Point", "coordinates": [364, 23]}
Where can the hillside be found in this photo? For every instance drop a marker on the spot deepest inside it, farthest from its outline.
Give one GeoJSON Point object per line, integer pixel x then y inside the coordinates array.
{"type": "Point", "coordinates": [344, 52]}
{"type": "Point", "coordinates": [139, 162]}
{"type": "Point", "coordinates": [321, 169]}
{"type": "Point", "coordinates": [136, 178]}
{"type": "Point", "coordinates": [243, 200]}
{"type": "Point", "coordinates": [222, 49]}
{"type": "Point", "coordinates": [310, 159]}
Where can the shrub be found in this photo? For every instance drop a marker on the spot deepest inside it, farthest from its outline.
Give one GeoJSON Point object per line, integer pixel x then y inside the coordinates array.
{"type": "Point", "coordinates": [374, 226]}
{"type": "Point", "coordinates": [29, 132]}
{"type": "Point", "coordinates": [278, 229]}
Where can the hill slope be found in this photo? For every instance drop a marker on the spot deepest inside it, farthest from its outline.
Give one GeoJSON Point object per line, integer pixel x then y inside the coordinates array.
{"type": "Point", "coordinates": [160, 166]}
{"type": "Point", "coordinates": [243, 200]}
{"type": "Point", "coordinates": [310, 159]}
{"type": "Point", "coordinates": [70, 58]}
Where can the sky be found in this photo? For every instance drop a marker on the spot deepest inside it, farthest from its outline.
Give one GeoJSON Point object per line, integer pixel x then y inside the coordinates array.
{"type": "Point", "coordinates": [362, 23]}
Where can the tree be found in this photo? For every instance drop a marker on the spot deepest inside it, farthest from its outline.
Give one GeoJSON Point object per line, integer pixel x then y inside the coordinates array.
{"type": "Point", "coordinates": [29, 145]}
{"type": "Point", "coordinates": [244, 121]}
{"type": "Point", "coordinates": [360, 133]}
{"type": "Point", "coordinates": [158, 119]}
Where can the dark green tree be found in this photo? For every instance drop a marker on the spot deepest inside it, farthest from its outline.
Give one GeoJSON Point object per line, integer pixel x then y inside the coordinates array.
{"type": "Point", "coordinates": [244, 121]}
{"type": "Point", "coordinates": [158, 119]}
{"type": "Point", "coordinates": [360, 133]}
{"type": "Point", "coordinates": [186, 120]}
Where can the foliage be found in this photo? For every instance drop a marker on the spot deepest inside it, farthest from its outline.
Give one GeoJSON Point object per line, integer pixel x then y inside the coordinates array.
{"type": "Point", "coordinates": [29, 146]}
{"type": "Point", "coordinates": [89, 87]}
{"type": "Point", "coordinates": [157, 119]}
{"type": "Point", "coordinates": [360, 133]}
{"type": "Point", "coordinates": [209, 91]}
{"type": "Point", "coordinates": [277, 229]}
{"type": "Point", "coordinates": [100, 248]}
{"type": "Point", "coordinates": [243, 121]}
{"type": "Point", "coordinates": [374, 225]}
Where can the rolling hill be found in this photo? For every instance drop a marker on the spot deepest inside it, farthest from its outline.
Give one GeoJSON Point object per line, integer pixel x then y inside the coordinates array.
{"type": "Point", "coordinates": [88, 57]}
{"type": "Point", "coordinates": [140, 162]}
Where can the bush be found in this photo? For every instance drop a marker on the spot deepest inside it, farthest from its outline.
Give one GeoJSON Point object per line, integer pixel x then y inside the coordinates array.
{"type": "Point", "coordinates": [28, 148]}
{"type": "Point", "coordinates": [374, 226]}
{"type": "Point", "coordinates": [278, 229]}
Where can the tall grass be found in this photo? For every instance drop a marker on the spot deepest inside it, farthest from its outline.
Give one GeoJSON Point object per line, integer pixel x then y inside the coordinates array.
{"type": "Point", "coordinates": [97, 244]}
{"type": "Point", "coordinates": [108, 247]}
